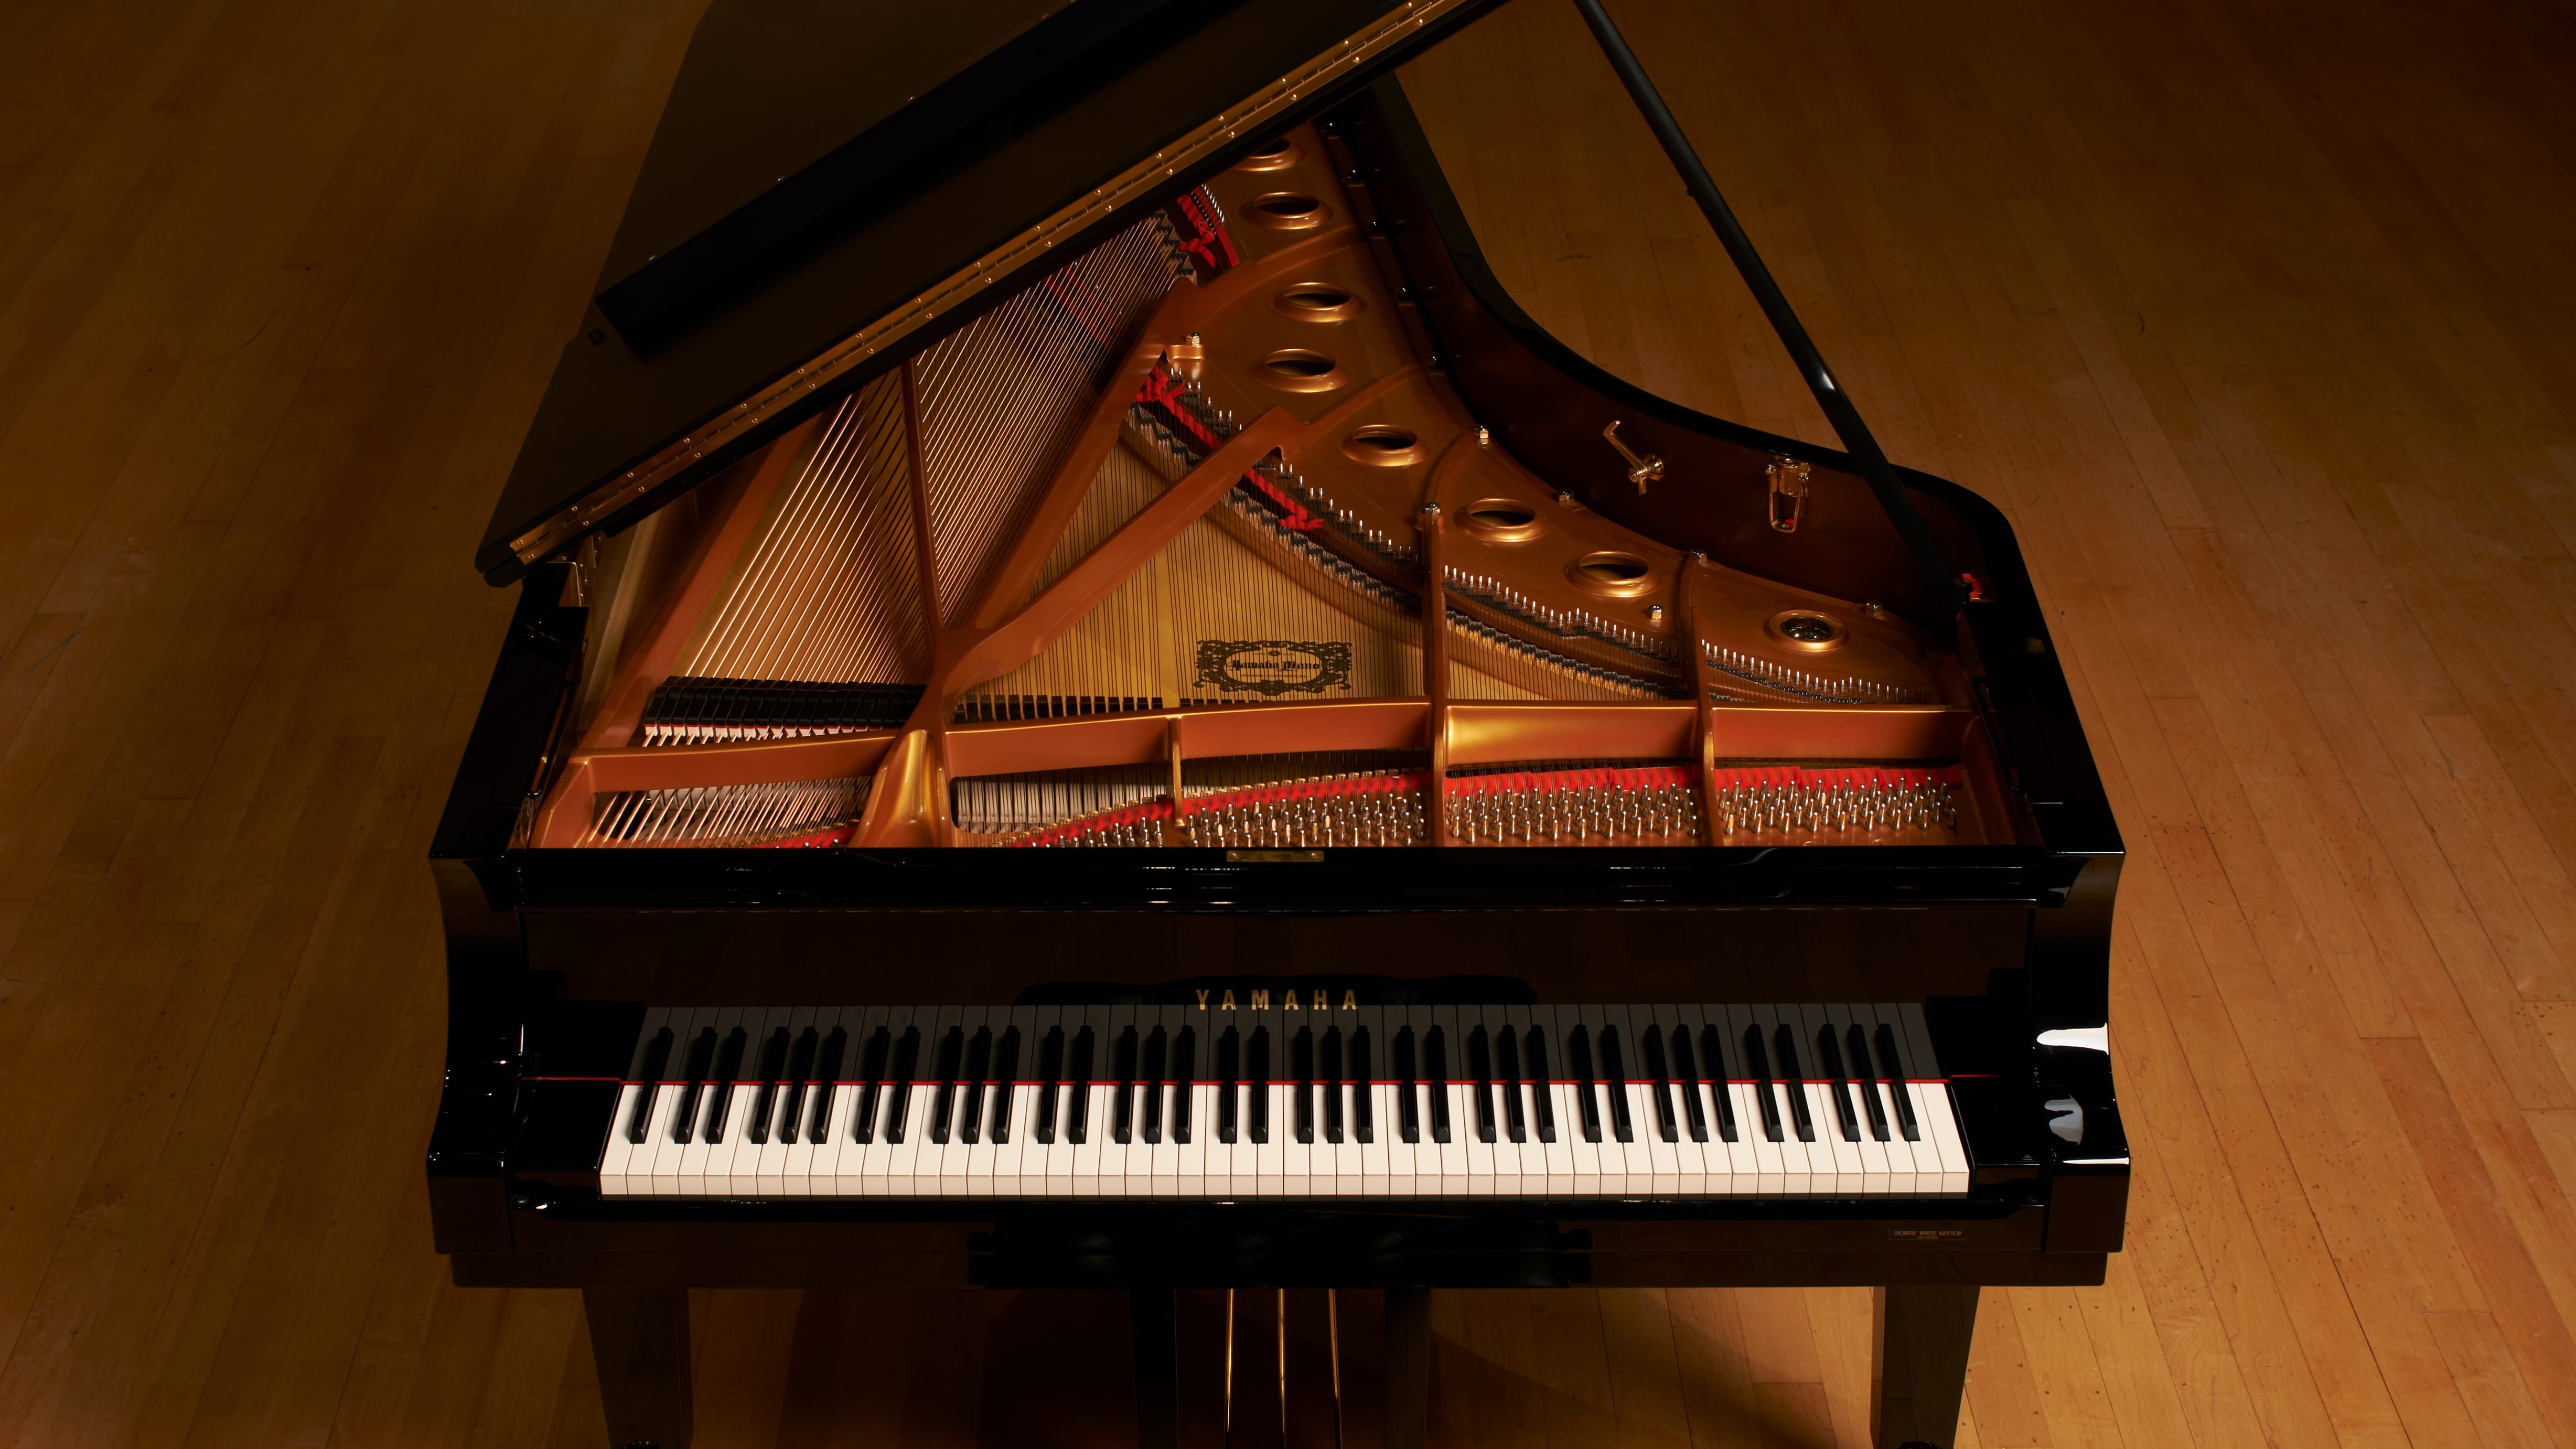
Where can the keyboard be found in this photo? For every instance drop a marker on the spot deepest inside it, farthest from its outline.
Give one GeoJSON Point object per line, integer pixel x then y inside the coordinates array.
{"type": "Point", "coordinates": [1254, 1098]}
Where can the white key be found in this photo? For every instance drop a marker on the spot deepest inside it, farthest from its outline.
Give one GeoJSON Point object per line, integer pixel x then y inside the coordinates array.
{"type": "Point", "coordinates": [910, 1112]}
{"type": "Point", "coordinates": [1297, 1157]}
{"type": "Point", "coordinates": [1376, 1163]}
{"type": "Point", "coordinates": [613, 1154]}
{"type": "Point", "coordinates": [1932, 1099]}
{"type": "Point", "coordinates": [1403, 1172]}
{"type": "Point", "coordinates": [1163, 1155]}
{"type": "Point", "coordinates": [771, 1152]}
{"type": "Point", "coordinates": [1457, 1176]}
{"type": "Point", "coordinates": [1663, 1162]}
{"type": "Point", "coordinates": [1733, 1169]}
{"type": "Point", "coordinates": [1557, 1157]}
{"type": "Point", "coordinates": [667, 1154]}
{"type": "Point", "coordinates": [1200, 1171]}
{"type": "Point", "coordinates": [1848, 1172]}
{"type": "Point", "coordinates": [1600, 1169]}
{"type": "Point", "coordinates": [1270, 1159]}
{"type": "Point", "coordinates": [1877, 1171]}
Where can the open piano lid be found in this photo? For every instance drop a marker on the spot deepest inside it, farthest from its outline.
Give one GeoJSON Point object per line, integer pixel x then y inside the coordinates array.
{"type": "Point", "coordinates": [829, 179]}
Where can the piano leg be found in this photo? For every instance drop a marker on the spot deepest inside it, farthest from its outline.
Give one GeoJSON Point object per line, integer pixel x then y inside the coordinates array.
{"type": "Point", "coordinates": [1408, 1366]}
{"type": "Point", "coordinates": [1922, 1366]}
{"type": "Point", "coordinates": [1158, 1374]}
{"type": "Point", "coordinates": [639, 1337]}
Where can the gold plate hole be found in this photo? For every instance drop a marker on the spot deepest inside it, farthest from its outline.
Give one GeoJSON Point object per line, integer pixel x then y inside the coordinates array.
{"type": "Point", "coordinates": [1619, 575]}
{"type": "Point", "coordinates": [1316, 302]}
{"type": "Point", "coordinates": [1301, 369]}
{"type": "Point", "coordinates": [1503, 520]}
{"type": "Point", "coordinates": [1288, 211]}
{"type": "Point", "coordinates": [1383, 446]}
{"type": "Point", "coordinates": [1806, 630]}
{"type": "Point", "coordinates": [1276, 154]}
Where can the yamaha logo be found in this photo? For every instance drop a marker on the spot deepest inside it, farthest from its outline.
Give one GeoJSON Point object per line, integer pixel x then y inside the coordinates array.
{"type": "Point", "coordinates": [1259, 998]}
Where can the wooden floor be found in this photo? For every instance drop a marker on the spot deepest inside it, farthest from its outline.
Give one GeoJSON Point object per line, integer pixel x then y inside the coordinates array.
{"type": "Point", "coordinates": [2256, 318]}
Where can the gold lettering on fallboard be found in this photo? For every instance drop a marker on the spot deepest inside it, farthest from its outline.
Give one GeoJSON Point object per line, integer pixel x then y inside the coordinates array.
{"type": "Point", "coordinates": [1227, 1003]}
{"type": "Point", "coordinates": [1350, 1001]}
{"type": "Point", "coordinates": [1202, 1001]}
{"type": "Point", "coordinates": [1261, 998]}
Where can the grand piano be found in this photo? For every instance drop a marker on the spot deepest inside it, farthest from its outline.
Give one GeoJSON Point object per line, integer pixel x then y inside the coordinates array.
{"type": "Point", "coordinates": [1091, 704]}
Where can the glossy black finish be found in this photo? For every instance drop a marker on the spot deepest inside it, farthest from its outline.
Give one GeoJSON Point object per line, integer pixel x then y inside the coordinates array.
{"type": "Point", "coordinates": [780, 209]}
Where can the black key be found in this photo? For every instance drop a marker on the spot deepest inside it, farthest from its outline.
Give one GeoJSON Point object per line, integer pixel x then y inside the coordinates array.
{"type": "Point", "coordinates": [1006, 1081]}
{"type": "Point", "coordinates": [1408, 1113]}
{"type": "Point", "coordinates": [1480, 1070]}
{"type": "Point", "coordinates": [702, 1055]}
{"type": "Point", "coordinates": [1757, 1066]}
{"type": "Point", "coordinates": [1077, 1107]}
{"type": "Point", "coordinates": [872, 1075]}
{"type": "Point", "coordinates": [1793, 1082]}
{"type": "Point", "coordinates": [827, 1080]}
{"type": "Point", "coordinates": [1329, 1073]}
{"type": "Point", "coordinates": [979, 1068]}
{"type": "Point", "coordinates": [1894, 1066]}
{"type": "Point", "coordinates": [1686, 1072]}
{"type": "Point", "coordinates": [1578, 1061]}
{"type": "Point", "coordinates": [1542, 1099]}
{"type": "Point", "coordinates": [1122, 1065]}
{"type": "Point", "coordinates": [1363, 1099]}
{"type": "Point", "coordinates": [1867, 1081]}
{"type": "Point", "coordinates": [1829, 1058]}
{"type": "Point", "coordinates": [1712, 1050]}
{"type": "Point", "coordinates": [1507, 1063]}
{"type": "Point", "coordinates": [1050, 1073]}
{"type": "Point", "coordinates": [657, 1060]}
{"type": "Point", "coordinates": [1256, 1084]}
{"type": "Point", "coordinates": [1158, 1050]}
{"type": "Point", "coordinates": [943, 1103]}
{"type": "Point", "coordinates": [1301, 1082]}
{"type": "Point", "coordinates": [1185, 1071]}
{"type": "Point", "coordinates": [728, 1067]}
{"type": "Point", "coordinates": [1229, 1065]}
{"type": "Point", "coordinates": [1435, 1080]}
{"type": "Point", "coordinates": [907, 1060]}
{"type": "Point", "coordinates": [773, 1062]}
{"type": "Point", "coordinates": [800, 1069]}
{"type": "Point", "coordinates": [1659, 1083]}
{"type": "Point", "coordinates": [1614, 1081]}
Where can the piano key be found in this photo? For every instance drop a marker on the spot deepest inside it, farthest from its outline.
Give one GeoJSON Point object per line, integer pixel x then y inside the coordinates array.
{"type": "Point", "coordinates": [1081, 1072]}
{"type": "Point", "coordinates": [1914, 1038]}
{"type": "Point", "coordinates": [1873, 1100]}
{"type": "Point", "coordinates": [1050, 1076]}
{"type": "Point", "coordinates": [1535, 1057]}
{"type": "Point", "coordinates": [1301, 1084]}
{"type": "Point", "coordinates": [1757, 1071]}
{"type": "Point", "coordinates": [1891, 1064]}
{"type": "Point", "coordinates": [1836, 1155]}
{"type": "Point", "coordinates": [1680, 1094]}
{"type": "Point", "coordinates": [774, 1157]}
{"type": "Point", "coordinates": [1402, 1074]}
{"type": "Point", "coordinates": [676, 1124]}
{"type": "Point", "coordinates": [1691, 1083]}
{"type": "Point", "coordinates": [1106, 1157]}
{"type": "Point", "coordinates": [693, 1075]}
{"type": "Point", "coordinates": [1481, 1080]}
{"type": "Point", "coordinates": [974, 1091]}
{"type": "Point", "coordinates": [1163, 1176]}
{"type": "Point", "coordinates": [1185, 1070]}
{"type": "Point", "coordinates": [1785, 1057]}
{"type": "Point", "coordinates": [723, 1114]}
{"type": "Point", "coordinates": [1577, 1036]}
{"type": "Point", "coordinates": [1436, 1075]}
{"type": "Point", "coordinates": [1228, 1076]}
{"type": "Point", "coordinates": [1653, 1167]}
{"type": "Point", "coordinates": [876, 1056]}
{"type": "Point", "coordinates": [1332, 1088]}
{"type": "Point", "coordinates": [1125, 1061]}
{"type": "Point", "coordinates": [1837, 1082]}
{"type": "Point", "coordinates": [1507, 1072]}
{"type": "Point", "coordinates": [1656, 1072]}
{"type": "Point", "coordinates": [1256, 1078]}
{"type": "Point", "coordinates": [1713, 1058]}
{"type": "Point", "coordinates": [1153, 1067]}
{"type": "Point", "coordinates": [809, 1164]}
{"type": "Point", "coordinates": [1756, 1156]}
{"type": "Point", "coordinates": [630, 1128]}
{"type": "Point", "coordinates": [1363, 1071]}
{"type": "Point", "coordinates": [1941, 1127]}
{"type": "Point", "coordinates": [946, 1061]}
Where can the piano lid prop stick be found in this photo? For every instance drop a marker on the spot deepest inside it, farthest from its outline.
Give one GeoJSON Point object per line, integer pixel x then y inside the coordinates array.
{"type": "Point", "coordinates": [1837, 405]}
